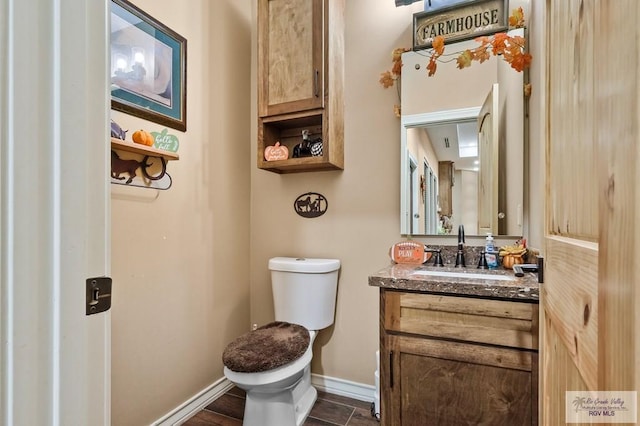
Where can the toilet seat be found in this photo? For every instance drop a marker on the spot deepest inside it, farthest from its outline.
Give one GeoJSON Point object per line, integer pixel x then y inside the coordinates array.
{"type": "Point", "coordinates": [284, 372]}
{"type": "Point", "coordinates": [269, 377]}
{"type": "Point", "coordinates": [266, 348]}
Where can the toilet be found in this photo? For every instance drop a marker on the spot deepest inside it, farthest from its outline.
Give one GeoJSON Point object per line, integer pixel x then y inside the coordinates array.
{"type": "Point", "coordinates": [273, 363]}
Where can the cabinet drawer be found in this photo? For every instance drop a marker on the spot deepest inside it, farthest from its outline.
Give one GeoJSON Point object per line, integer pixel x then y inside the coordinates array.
{"type": "Point", "coordinates": [493, 322]}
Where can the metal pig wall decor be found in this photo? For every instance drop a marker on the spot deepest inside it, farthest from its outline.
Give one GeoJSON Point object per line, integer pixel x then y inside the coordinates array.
{"type": "Point", "coordinates": [311, 204]}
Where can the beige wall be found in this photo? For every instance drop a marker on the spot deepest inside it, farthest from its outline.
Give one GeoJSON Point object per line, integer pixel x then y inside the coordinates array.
{"type": "Point", "coordinates": [180, 257]}
{"type": "Point", "coordinates": [190, 264]}
{"type": "Point", "coordinates": [362, 220]}
{"type": "Point", "coordinates": [449, 88]}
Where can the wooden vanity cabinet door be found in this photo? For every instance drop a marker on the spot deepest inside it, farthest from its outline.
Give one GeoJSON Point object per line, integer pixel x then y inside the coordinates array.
{"type": "Point", "coordinates": [440, 383]}
{"type": "Point", "coordinates": [290, 56]}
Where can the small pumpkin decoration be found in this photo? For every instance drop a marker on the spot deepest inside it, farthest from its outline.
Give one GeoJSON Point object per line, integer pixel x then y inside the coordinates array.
{"type": "Point", "coordinates": [143, 137]}
{"type": "Point", "coordinates": [276, 152]}
{"type": "Point", "coordinates": [509, 260]}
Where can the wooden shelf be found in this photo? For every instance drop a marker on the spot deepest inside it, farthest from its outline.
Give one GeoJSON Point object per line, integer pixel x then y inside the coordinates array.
{"type": "Point", "coordinates": [294, 165]}
{"type": "Point", "coordinates": [142, 149]}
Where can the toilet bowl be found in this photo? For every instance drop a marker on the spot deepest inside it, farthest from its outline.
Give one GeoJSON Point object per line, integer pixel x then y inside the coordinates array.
{"type": "Point", "coordinates": [279, 393]}
{"type": "Point", "coordinates": [282, 396]}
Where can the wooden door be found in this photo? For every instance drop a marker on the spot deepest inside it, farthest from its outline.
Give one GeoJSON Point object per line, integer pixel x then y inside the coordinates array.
{"type": "Point", "coordinates": [55, 361]}
{"type": "Point", "coordinates": [488, 145]}
{"type": "Point", "coordinates": [290, 56]}
{"type": "Point", "coordinates": [589, 322]}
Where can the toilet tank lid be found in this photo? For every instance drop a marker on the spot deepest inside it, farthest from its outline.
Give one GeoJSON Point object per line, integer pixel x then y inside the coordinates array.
{"type": "Point", "coordinates": [305, 265]}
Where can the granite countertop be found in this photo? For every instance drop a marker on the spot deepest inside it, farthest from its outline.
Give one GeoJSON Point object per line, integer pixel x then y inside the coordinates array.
{"type": "Point", "coordinates": [409, 278]}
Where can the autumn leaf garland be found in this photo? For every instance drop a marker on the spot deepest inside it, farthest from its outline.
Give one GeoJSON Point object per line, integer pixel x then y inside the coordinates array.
{"type": "Point", "coordinates": [512, 49]}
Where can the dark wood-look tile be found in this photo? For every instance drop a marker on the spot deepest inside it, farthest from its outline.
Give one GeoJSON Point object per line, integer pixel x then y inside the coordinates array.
{"type": "Point", "coordinates": [344, 400]}
{"type": "Point", "coordinates": [228, 405]}
{"type": "Point", "coordinates": [336, 413]}
{"type": "Point", "coordinates": [237, 392]}
{"type": "Point", "coordinates": [209, 418]}
{"type": "Point", "coordinates": [329, 410]}
{"type": "Point", "coordinates": [363, 417]}
{"type": "Point", "coordinates": [311, 421]}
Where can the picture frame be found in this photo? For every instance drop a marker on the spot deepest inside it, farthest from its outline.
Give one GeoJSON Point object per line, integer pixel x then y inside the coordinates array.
{"type": "Point", "coordinates": [148, 72]}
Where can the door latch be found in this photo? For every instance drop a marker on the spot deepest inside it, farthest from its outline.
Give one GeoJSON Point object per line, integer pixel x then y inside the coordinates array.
{"type": "Point", "coordinates": [98, 295]}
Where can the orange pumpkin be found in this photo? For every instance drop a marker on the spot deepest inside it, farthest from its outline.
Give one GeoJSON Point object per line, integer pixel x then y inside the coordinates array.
{"type": "Point", "coordinates": [276, 152]}
{"type": "Point", "coordinates": [143, 137]}
{"type": "Point", "coordinates": [509, 260]}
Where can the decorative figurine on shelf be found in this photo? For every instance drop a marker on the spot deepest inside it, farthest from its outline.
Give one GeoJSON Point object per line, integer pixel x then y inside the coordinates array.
{"type": "Point", "coordinates": [119, 166]}
{"type": "Point", "coordinates": [308, 147]}
{"type": "Point", "coordinates": [316, 147]}
{"type": "Point", "coordinates": [143, 137]}
{"type": "Point", "coordinates": [276, 152]}
{"type": "Point", "coordinates": [117, 132]}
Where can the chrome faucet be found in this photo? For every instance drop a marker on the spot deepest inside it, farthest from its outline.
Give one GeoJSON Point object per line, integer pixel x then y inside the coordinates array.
{"type": "Point", "coordinates": [460, 263]}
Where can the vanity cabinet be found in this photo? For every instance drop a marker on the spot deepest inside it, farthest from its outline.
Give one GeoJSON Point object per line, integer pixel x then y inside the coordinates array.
{"type": "Point", "coordinates": [300, 81]}
{"type": "Point", "coordinates": [449, 360]}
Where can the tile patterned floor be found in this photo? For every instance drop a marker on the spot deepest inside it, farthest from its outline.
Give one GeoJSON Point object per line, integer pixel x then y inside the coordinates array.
{"type": "Point", "coordinates": [329, 410]}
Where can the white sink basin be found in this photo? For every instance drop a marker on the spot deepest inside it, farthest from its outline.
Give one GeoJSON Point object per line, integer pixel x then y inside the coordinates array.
{"type": "Point", "coordinates": [470, 275]}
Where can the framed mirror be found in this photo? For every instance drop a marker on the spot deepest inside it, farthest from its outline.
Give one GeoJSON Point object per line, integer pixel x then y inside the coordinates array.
{"type": "Point", "coordinates": [462, 148]}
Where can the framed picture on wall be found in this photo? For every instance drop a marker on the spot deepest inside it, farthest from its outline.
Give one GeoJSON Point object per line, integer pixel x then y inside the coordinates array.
{"type": "Point", "coordinates": [148, 67]}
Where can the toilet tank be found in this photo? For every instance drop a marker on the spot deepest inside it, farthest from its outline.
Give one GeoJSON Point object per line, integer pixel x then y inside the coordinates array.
{"type": "Point", "coordinates": [304, 290]}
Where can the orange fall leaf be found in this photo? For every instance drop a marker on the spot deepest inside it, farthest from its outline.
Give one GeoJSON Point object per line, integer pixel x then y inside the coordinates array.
{"type": "Point", "coordinates": [438, 45]}
{"type": "Point", "coordinates": [464, 60]}
{"type": "Point", "coordinates": [432, 66]}
{"type": "Point", "coordinates": [386, 79]}
{"type": "Point", "coordinates": [516, 20]}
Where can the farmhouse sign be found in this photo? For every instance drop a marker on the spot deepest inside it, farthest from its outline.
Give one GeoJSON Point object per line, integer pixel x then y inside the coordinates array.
{"type": "Point", "coordinates": [460, 22]}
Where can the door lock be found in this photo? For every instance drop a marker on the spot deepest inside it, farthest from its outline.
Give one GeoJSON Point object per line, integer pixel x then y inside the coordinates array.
{"type": "Point", "coordinates": [98, 296]}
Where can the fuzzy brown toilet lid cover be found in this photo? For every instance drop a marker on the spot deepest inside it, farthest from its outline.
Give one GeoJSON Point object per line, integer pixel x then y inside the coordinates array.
{"type": "Point", "coordinates": [268, 347]}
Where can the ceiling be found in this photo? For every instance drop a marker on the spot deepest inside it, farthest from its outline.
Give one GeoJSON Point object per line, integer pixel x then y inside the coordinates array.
{"type": "Point", "coordinates": [448, 139]}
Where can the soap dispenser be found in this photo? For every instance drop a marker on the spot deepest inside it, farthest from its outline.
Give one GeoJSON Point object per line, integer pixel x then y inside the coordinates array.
{"type": "Point", "coordinates": [489, 252]}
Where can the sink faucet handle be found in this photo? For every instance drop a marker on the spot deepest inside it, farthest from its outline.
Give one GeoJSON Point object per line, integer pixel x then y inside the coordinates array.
{"type": "Point", "coordinates": [460, 263]}
{"type": "Point", "coordinates": [437, 258]}
{"type": "Point", "coordinates": [482, 262]}
{"type": "Point", "coordinates": [437, 255]}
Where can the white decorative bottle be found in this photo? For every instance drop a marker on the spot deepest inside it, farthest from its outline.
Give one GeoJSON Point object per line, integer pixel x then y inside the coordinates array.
{"type": "Point", "coordinates": [490, 254]}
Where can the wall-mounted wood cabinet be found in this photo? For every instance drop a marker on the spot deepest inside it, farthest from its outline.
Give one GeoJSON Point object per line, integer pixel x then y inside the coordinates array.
{"type": "Point", "coordinates": [445, 185]}
{"type": "Point", "coordinates": [300, 81]}
{"type": "Point", "coordinates": [457, 360]}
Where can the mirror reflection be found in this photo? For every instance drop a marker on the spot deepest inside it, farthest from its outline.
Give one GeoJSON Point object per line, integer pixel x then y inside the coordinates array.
{"type": "Point", "coordinates": [462, 145]}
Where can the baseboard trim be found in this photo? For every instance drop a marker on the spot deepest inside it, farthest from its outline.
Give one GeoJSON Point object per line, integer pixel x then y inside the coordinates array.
{"type": "Point", "coordinates": [206, 396]}
{"type": "Point", "coordinates": [193, 405]}
{"type": "Point", "coordinates": [343, 387]}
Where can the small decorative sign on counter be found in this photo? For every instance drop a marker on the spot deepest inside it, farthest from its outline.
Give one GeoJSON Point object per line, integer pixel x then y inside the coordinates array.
{"type": "Point", "coordinates": [460, 22]}
{"type": "Point", "coordinates": [409, 252]}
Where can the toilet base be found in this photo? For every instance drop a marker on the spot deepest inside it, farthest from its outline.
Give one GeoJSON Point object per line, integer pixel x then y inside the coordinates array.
{"type": "Point", "coordinates": [286, 407]}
